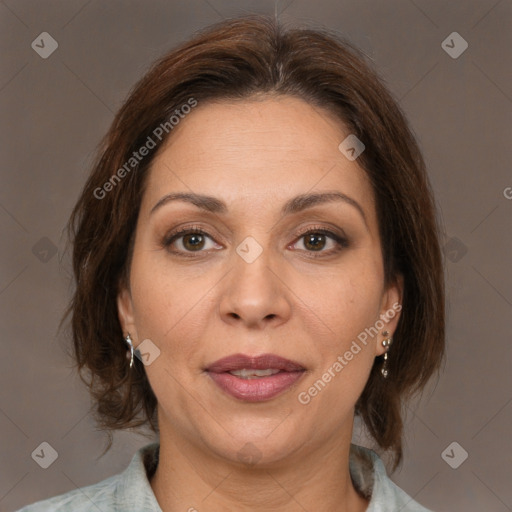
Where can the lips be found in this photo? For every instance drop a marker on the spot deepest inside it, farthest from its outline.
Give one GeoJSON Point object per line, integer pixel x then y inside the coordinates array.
{"type": "Point", "coordinates": [254, 379]}
{"type": "Point", "coordinates": [263, 362]}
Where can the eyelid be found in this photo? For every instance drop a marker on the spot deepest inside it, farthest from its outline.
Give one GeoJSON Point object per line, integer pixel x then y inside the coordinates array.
{"type": "Point", "coordinates": [322, 229]}
{"type": "Point", "coordinates": [180, 232]}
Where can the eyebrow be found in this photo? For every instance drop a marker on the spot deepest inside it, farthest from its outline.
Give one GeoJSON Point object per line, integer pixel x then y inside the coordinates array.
{"type": "Point", "coordinates": [294, 205]}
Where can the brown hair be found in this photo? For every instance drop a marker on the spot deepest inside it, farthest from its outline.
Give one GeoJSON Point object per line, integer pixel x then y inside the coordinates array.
{"type": "Point", "coordinates": [236, 59]}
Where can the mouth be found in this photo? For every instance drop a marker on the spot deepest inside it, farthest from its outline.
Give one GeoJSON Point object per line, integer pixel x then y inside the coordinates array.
{"type": "Point", "coordinates": [255, 379]}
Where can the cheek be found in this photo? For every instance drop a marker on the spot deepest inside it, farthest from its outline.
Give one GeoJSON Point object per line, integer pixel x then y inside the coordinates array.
{"type": "Point", "coordinates": [349, 301]}
{"type": "Point", "coordinates": [171, 310]}
{"type": "Point", "coordinates": [345, 354]}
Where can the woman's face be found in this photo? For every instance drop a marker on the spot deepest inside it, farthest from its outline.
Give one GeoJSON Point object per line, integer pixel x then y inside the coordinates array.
{"type": "Point", "coordinates": [254, 284]}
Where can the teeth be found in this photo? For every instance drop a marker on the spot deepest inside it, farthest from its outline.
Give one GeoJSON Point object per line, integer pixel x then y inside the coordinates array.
{"type": "Point", "coordinates": [254, 374]}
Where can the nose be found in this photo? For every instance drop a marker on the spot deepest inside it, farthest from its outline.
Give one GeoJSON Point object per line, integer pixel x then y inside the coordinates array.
{"type": "Point", "coordinates": [255, 294]}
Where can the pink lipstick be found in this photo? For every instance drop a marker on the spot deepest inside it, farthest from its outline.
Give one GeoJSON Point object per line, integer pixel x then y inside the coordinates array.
{"type": "Point", "coordinates": [255, 379]}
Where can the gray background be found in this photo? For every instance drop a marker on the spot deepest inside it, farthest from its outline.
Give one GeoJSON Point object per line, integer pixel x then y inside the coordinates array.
{"type": "Point", "coordinates": [54, 112]}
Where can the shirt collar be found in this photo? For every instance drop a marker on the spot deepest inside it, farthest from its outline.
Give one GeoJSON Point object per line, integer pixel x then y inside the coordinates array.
{"type": "Point", "coordinates": [367, 471]}
{"type": "Point", "coordinates": [134, 491]}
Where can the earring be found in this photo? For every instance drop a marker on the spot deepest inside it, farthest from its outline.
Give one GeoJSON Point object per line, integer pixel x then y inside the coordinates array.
{"type": "Point", "coordinates": [129, 353]}
{"type": "Point", "coordinates": [386, 344]}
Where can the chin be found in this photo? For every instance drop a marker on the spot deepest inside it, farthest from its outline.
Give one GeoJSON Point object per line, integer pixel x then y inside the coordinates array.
{"type": "Point", "coordinates": [260, 444]}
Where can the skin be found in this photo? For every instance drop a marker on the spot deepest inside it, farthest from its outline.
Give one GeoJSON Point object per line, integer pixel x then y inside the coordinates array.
{"type": "Point", "coordinates": [255, 155]}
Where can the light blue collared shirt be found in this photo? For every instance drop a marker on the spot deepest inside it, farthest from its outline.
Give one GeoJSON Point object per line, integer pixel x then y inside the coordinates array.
{"type": "Point", "coordinates": [130, 490]}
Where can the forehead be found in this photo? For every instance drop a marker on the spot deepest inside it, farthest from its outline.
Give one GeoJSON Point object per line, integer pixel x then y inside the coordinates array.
{"type": "Point", "coordinates": [264, 149]}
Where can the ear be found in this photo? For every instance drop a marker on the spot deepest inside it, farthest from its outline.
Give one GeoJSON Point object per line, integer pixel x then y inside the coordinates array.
{"type": "Point", "coordinates": [125, 313]}
{"type": "Point", "coordinates": [391, 308]}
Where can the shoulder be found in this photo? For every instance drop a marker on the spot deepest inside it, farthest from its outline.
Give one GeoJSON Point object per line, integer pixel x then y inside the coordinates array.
{"type": "Point", "coordinates": [93, 497]}
{"type": "Point", "coordinates": [370, 477]}
{"type": "Point", "coordinates": [126, 491]}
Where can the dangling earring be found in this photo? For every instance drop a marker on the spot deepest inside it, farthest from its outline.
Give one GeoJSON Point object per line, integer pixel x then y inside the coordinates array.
{"type": "Point", "coordinates": [129, 353]}
{"type": "Point", "coordinates": [386, 344]}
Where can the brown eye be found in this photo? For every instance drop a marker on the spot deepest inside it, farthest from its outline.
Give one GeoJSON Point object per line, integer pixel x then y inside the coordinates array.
{"type": "Point", "coordinates": [193, 241]}
{"type": "Point", "coordinates": [188, 240]}
{"type": "Point", "coordinates": [315, 241]}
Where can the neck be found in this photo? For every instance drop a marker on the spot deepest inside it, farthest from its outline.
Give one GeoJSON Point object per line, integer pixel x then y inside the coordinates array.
{"type": "Point", "coordinates": [189, 478]}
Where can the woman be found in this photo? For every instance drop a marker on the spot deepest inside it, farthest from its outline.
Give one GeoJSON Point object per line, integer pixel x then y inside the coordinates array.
{"type": "Point", "coordinates": [257, 261]}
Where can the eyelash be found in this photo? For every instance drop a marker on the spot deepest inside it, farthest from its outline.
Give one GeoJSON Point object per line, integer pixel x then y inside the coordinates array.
{"type": "Point", "coordinates": [341, 241]}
